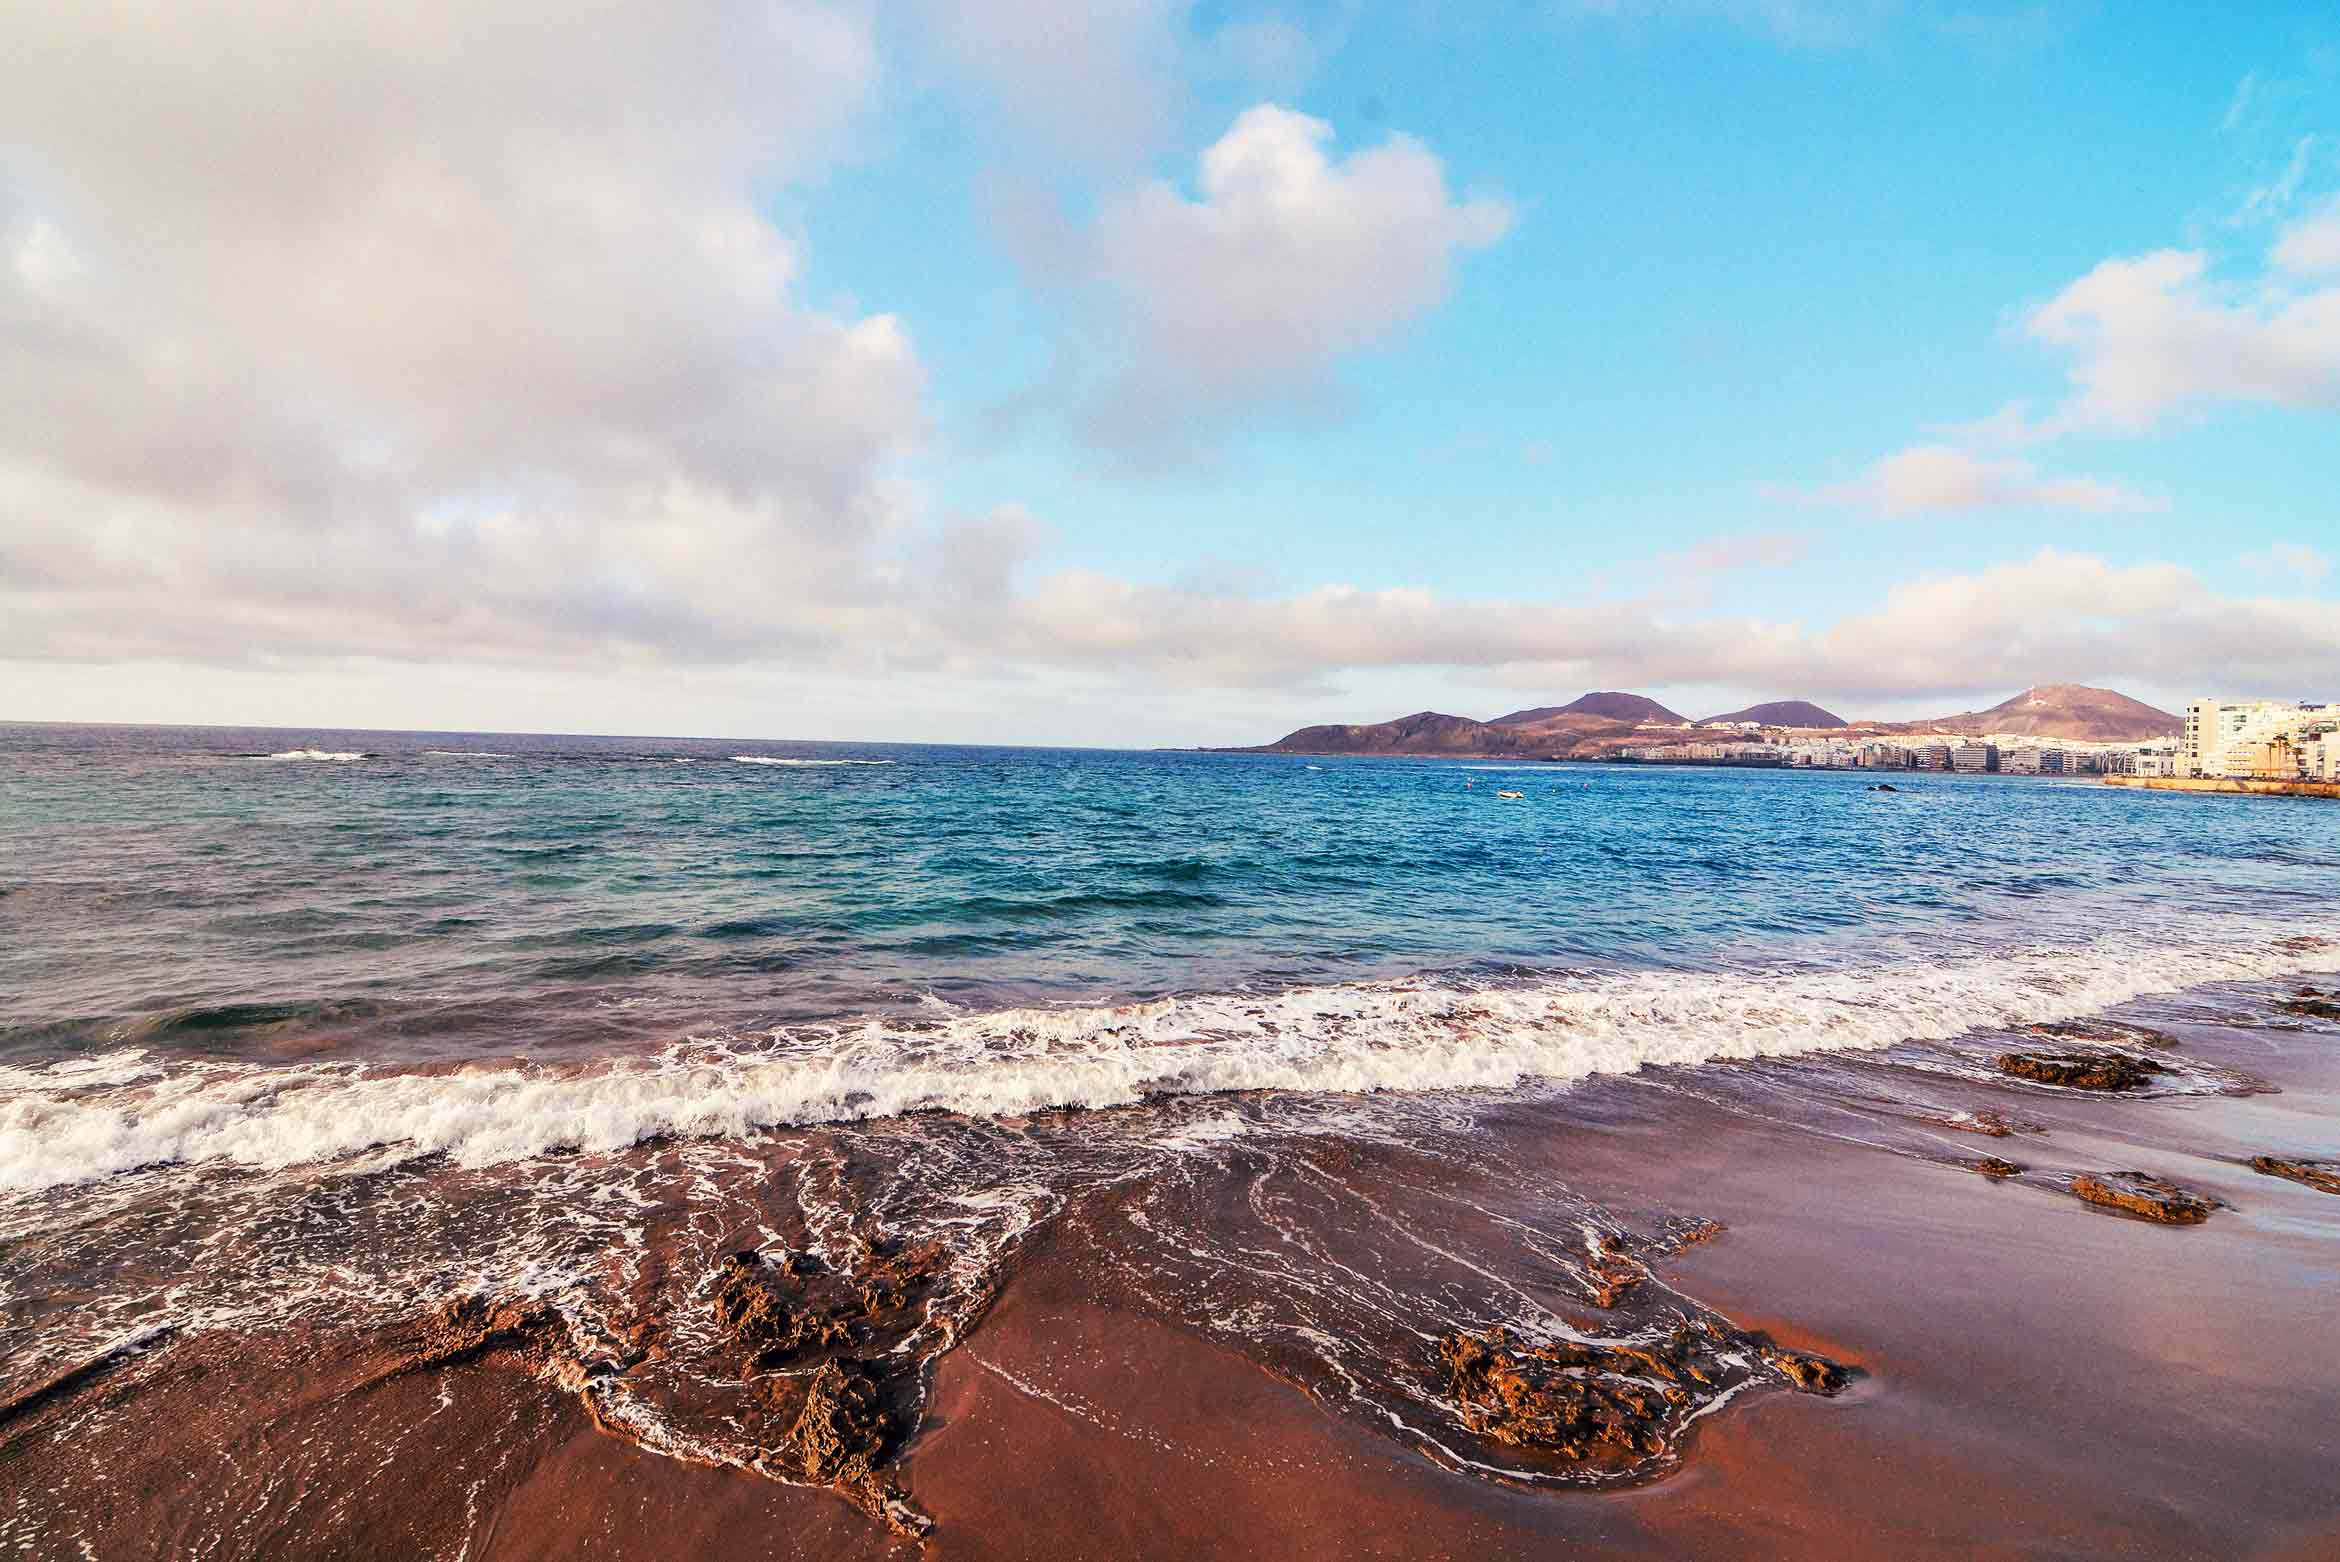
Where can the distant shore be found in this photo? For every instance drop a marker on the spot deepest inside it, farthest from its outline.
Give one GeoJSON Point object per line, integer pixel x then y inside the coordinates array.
{"type": "Point", "coordinates": [2229, 785]}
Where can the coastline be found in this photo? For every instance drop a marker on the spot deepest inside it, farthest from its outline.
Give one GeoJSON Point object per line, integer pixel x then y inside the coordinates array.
{"type": "Point", "coordinates": [2036, 1375]}
{"type": "Point", "coordinates": [2040, 1377]}
{"type": "Point", "coordinates": [2229, 786]}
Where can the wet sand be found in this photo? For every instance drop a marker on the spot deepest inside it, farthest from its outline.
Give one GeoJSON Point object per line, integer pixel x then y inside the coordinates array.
{"type": "Point", "coordinates": [2042, 1378]}
{"type": "Point", "coordinates": [2038, 1377]}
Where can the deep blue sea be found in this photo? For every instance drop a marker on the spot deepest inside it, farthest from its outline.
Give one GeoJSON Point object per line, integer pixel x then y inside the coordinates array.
{"type": "Point", "coordinates": [387, 901]}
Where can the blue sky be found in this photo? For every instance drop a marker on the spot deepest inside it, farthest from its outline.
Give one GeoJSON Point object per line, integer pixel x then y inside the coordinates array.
{"type": "Point", "coordinates": [901, 371]}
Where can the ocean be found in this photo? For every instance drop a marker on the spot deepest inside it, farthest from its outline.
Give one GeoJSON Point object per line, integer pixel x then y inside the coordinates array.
{"type": "Point", "coordinates": [310, 1030]}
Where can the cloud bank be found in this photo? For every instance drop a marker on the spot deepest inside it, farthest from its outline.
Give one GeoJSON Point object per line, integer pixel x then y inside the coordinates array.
{"type": "Point", "coordinates": [1944, 479]}
{"type": "Point", "coordinates": [465, 338]}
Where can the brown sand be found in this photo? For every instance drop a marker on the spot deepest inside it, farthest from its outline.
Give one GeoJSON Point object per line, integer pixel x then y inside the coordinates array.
{"type": "Point", "coordinates": [2041, 1378]}
{"type": "Point", "coordinates": [2044, 1378]}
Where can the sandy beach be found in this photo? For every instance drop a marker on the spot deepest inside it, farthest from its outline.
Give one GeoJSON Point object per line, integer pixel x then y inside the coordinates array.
{"type": "Point", "coordinates": [2034, 1376]}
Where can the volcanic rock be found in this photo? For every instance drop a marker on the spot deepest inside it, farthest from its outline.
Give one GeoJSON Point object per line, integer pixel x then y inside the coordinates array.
{"type": "Point", "coordinates": [770, 1320]}
{"type": "Point", "coordinates": [2142, 1193]}
{"type": "Point", "coordinates": [2082, 1070]}
{"type": "Point", "coordinates": [2311, 1004]}
{"type": "Point", "coordinates": [1602, 1402]}
{"type": "Point", "coordinates": [1811, 1374]}
{"type": "Point", "coordinates": [1570, 1398]}
{"type": "Point", "coordinates": [1993, 1167]}
{"type": "Point", "coordinates": [2316, 1174]}
{"type": "Point", "coordinates": [1613, 1274]}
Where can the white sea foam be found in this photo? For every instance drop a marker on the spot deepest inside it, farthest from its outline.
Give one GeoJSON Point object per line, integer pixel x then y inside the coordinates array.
{"type": "Point", "coordinates": [776, 759]}
{"type": "Point", "coordinates": [1380, 1036]}
{"type": "Point", "coordinates": [317, 754]}
{"type": "Point", "coordinates": [463, 753]}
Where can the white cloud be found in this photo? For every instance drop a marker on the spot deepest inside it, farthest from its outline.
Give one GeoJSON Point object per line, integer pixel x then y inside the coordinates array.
{"type": "Point", "coordinates": [1290, 261]}
{"type": "Point", "coordinates": [434, 329]}
{"type": "Point", "coordinates": [1737, 552]}
{"type": "Point", "coordinates": [2154, 335]}
{"type": "Point", "coordinates": [2311, 246]}
{"type": "Point", "coordinates": [1096, 79]}
{"type": "Point", "coordinates": [1270, 54]}
{"type": "Point", "coordinates": [2291, 561]}
{"type": "Point", "coordinates": [1941, 479]}
{"type": "Point", "coordinates": [2055, 616]}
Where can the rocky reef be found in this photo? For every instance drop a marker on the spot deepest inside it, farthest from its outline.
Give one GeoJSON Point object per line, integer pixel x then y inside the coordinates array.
{"type": "Point", "coordinates": [1611, 1405]}
{"type": "Point", "coordinates": [820, 1342]}
{"type": "Point", "coordinates": [2309, 1003]}
{"type": "Point", "coordinates": [2082, 1069]}
{"type": "Point", "coordinates": [2316, 1174]}
{"type": "Point", "coordinates": [2143, 1194]}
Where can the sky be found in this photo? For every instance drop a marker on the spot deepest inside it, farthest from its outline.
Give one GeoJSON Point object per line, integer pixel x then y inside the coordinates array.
{"type": "Point", "coordinates": [1133, 372]}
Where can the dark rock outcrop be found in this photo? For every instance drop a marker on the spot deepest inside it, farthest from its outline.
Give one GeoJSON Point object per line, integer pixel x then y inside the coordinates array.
{"type": "Point", "coordinates": [2308, 1003]}
{"type": "Point", "coordinates": [2316, 1174]}
{"type": "Point", "coordinates": [1613, 1274]}
{"type": "Point", "coordinates": [1996, 1169]}
{"type": "Point", "coordinates": [841, 1438]}
{"type": "Point", "coordinates": [780, 1314]}
{"type": "Point", "coordinates": [1609, 1404]}
{"type": "Point", "coordinates": [2142, 1193]}
{"type": "Point", "coordinates": [2082, 1070]}
{"type": "Point", "coordinates": [1811, 1374]}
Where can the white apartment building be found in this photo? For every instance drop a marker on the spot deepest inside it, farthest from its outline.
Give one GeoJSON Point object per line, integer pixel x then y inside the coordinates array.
{"type": "Point", "coordinates": [2252, 737]}
{"type": "Point", "coordinates": [2213, 727]}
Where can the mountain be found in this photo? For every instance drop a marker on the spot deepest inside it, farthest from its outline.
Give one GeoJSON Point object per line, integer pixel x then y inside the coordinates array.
{"type": "Point", "coordinates": [1607, 704]}
{"type": "Point", "coordinates": [1783, 713]}
{"type": "Point", "coordinates": [1424, 732]}
{"type": "Point", "coordinates": [1555, 735]}
{"type": "Point", "coordinates": [2064, 710]}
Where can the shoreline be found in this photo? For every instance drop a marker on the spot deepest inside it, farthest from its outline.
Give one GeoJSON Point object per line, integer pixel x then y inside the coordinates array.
{"type": "Point", "coordinates": [2228, 786]}
{"type": "Point", "coordinates": [2035, 1375]}
{"type": "Point", "coordinates": [2039, 1376]}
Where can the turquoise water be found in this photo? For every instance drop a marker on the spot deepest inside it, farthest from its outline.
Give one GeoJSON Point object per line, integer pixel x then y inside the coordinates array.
{"type": "Point", "coordinates": [166, 887]}
{"type": "Point", "coordinates": [263, 948]}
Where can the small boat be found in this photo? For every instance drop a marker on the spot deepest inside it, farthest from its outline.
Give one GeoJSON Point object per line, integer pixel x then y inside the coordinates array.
{"type": "Point", "coordinates": [1510, 794]}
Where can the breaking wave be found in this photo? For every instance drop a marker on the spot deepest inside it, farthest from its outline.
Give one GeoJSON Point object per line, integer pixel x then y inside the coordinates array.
{"type": "Point", "coordinates": [330, 755]}
{"type": "Point", "coordinates": [775, 759]}
{"type": "Point", "coordinates": [80, 1122]}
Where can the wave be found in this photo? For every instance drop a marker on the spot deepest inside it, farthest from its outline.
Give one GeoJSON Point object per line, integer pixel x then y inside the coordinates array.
{"type": "Point", "coordinates": [775, 759]}
{"type": "Point", "coordinates": [318, 754]}
{"type": "Point", "coordinates": [1423, 1035]}
{"type": "Point", "coordinates": [464, 753]}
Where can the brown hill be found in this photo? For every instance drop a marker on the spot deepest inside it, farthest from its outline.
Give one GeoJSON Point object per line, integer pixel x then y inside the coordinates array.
{"type": "Point", "coordinates": [1607, 704]}
{"type": "Point", "coordinates": [1432, 734]}
{"type": "Point", "coordinates": [1424, 732]}
{"type": "Point", "coordinates": [1784, 713]}
{"type": "Point", "coordinates": [2064, 710]}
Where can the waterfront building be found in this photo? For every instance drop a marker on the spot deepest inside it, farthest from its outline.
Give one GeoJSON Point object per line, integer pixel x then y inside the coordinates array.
{"type": "Point", "coordinates": [2253, 739]}
{"type": "Point", "coordinates": [1973, 758]}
